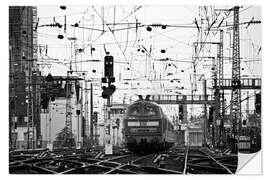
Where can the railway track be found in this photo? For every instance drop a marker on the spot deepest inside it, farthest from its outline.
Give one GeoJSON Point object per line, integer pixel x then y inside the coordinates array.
{"type": "Point", "coordinates": [174, 161]}
{"type": "Point", "coordinates": [199, 161]}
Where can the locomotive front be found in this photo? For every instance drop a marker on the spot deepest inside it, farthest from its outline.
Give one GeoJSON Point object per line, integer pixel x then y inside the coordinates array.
{"type": "Point", "coordinates": [143, 127]}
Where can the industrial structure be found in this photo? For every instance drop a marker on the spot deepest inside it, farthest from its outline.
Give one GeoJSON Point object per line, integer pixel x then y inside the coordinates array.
{"type": "Point", "coordinates": [207, 103]}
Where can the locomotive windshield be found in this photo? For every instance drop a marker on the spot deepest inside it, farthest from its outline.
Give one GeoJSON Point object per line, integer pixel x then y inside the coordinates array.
{"type": "Point", "coordinates": [143, 110]}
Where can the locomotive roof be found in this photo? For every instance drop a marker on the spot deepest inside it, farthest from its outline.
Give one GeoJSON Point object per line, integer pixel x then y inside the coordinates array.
{"type": "Point", "coordinates": [144, 102]}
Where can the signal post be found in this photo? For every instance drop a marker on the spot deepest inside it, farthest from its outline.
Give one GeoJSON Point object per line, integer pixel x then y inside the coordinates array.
{"type": "Point", "coordinates": [107, 92]}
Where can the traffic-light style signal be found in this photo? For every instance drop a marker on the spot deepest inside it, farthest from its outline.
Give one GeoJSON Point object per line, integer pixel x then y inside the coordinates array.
{"type": "Point", "coordinates": [117, 122]}
{"type": "Point", "coordinates": [108, 66]}
{"type": "Point", "coordinates": [95, 117]}
{"type": "Point", "coordinates": [108, 77]}
{"type": "Point", "coordinates": [108, 91]}
{"type": "Point", "coordinates": [211, 112]}
{"type": "Point", "coordinates": [258, 103]}
{"type": "Point", "coordinates": [181, 112]}
{"type": "Point", "coordinates": [108, 128]}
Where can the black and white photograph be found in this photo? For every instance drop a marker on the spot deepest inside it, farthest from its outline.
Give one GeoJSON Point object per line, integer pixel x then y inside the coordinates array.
{"type": "Point", "coordinates": [133, 89]}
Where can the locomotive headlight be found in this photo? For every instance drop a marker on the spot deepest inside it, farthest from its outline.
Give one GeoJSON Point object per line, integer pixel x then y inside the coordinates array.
{"type": "Point", "coordinates": [131, 117]}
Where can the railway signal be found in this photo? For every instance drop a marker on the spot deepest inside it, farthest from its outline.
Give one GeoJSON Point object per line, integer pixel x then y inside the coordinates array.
{"type": "Point", "coordinates": [258, 103]}
{"type": "Point", "coordinates": [117, 122]}
{"type": "Point", "coordinates": [108, 128]}
{"type": "Point", "coordinates": [95, 117]}
{"type": "Point", "coordinates": [108, 66]}
{"type": "Point", "coordinates": [211, 112]}
{"type": "Point", "coordinates": [181, 113]}
{"type": "Point", "coordinates": [108, 91]}
{"type": "Point", "coordinates": [108, 77]}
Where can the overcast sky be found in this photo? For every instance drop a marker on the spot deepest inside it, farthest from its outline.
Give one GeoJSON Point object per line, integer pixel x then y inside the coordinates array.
{"type": "Point", "coordinates": [126, 45]}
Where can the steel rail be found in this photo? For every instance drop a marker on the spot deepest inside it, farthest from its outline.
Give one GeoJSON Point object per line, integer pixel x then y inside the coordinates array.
{"type": "Point", "coordinates": [216, 161]}
{"type": "Point", "coordinates": [185, 166]}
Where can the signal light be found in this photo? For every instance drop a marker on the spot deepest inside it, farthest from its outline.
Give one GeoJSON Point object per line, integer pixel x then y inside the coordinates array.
{"type": "Point", "coordinates": [108, 66]}
{"type": "Point", "coordinates": [108, 91]}
{"type": "Point", "coordinates": [117, 122]}
{"type": "Point", "coordinates": [95, 117]}
{"type": "Point", "coordinates": [211, 112]}
{"type": "Point", "coordinates": [103, 80]}
{"type": "Point", "coordinates": [104, 95]}
{"type": "Point", "coordinates": [112, 88]}
{"type": "Point", "coordinates": [181, 112]}
{"type": "Point", "coordinates": [258, 103]}
{"type": "Point", "coordinates": [108, 128]}
{"type": "Point", "coordinates": [111, 79]}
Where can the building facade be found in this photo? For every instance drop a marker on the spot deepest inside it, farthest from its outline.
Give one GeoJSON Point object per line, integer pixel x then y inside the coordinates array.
{"type": "Point", "coordinates": [24, 84]}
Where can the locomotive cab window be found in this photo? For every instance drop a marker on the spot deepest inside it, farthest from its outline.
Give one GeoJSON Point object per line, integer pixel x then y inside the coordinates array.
{"type": "Point", "coordinates": [150, 111]}
{"type": "Point", "coordinates": [143, 110]}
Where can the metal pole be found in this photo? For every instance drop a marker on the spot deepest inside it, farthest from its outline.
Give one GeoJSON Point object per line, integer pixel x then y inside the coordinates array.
{"type": "Point", "coordinates": [50, 123]}
{"type": "Point", "coordinates": [82, 106]}
{"type": "Point", "coordinates": [46, 132]}
{"type": "Point", "coordinates": [32, 121]}
{"type": "Point", "coordinates": [113, 141]}
{"type": "Point", "coordinates": [109, 117]}
{"type": "Point", "coordinates": [85, 114]}
{"type": "Point", "coordinates": [78, 131]}
{"type": "Point", "coordinates": [91, 114]}
{"type": "Point", "coordinates": [205, 112]}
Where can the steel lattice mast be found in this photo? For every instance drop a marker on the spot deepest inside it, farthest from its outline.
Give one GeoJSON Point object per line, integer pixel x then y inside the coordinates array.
{"type": "Point", "coordinates": [68, 123]}
{"type": "Point", "coordinates": [220, 85]}
{"type": "Point", "coordinates": [236, 83]}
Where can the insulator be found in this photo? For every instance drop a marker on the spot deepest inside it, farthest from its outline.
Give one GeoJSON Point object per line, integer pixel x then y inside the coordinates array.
{"type": "Point", "coordinates": [149, 28]}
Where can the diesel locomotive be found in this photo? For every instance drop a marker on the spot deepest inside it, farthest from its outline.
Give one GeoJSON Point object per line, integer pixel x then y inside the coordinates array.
{"type": "Point", "coordinates": [146, 128]}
